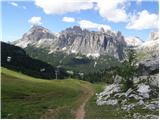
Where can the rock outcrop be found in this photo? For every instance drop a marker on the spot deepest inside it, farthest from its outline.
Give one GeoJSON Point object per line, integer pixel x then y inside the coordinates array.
{"type": "Point", "coordinates": [148, 55]}
{"type": "Point", "coordinates": [144, 96]}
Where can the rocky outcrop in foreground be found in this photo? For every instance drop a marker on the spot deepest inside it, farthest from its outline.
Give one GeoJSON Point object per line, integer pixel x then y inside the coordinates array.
{"type": "Point", "coordinates": [143, 96]}
{"type": "Point", "coordinates": [142, 100]}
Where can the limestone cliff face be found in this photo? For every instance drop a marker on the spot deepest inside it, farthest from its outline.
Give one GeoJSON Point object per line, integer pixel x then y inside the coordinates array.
{"type": "Point", "coordinates": [75, 40]}
{"type": "Point", "coordinates": [133, 41]}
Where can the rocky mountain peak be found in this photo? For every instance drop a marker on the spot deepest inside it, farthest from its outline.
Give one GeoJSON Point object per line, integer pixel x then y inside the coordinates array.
{"type": "Point", "coordinates": [38, 32]}
{"type": "Point", "coordinates": [38, 28]}
{"type": "Point", "coordinates": [36, 35]}
{"type": "Point", "coordinates": [73, 30]}
{"type": "Point", "coordinates": [77, 28]}
{"type": "Point", "coordinates": [75, 40]}
{"type": "Point", "coordinates": [154, 36]}
{"type": "Point", "coordinates": [133, 41]}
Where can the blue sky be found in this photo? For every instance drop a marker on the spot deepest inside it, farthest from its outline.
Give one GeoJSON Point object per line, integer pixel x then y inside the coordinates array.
{"type": "Point", "coordinates": [16, 16]}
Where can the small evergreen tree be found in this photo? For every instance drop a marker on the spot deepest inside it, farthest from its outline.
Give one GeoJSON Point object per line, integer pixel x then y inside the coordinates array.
{"type": "Point", "coordinates": [128, 69]}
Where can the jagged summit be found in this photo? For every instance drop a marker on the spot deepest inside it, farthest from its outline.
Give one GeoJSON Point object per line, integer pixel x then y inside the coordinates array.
{"type": "Point", "coordinates": [133, 41]}
{"type": "Point", "coordinates": [75, 40]}
{"type": "Point", "coordinates": [153, 36]}
{"type": "Point", "coordinates": [38, 32]}
{"type": "Point", "coordinates": [77, 29]}
{"type": "Point", "coordinates": [74, 28]}
{"type": "Point", "coordinates": [152, 44]}
{"type": "Point", "coordinates": [35, 36]}
{"type": "Point", "coordinates": [37, 27]}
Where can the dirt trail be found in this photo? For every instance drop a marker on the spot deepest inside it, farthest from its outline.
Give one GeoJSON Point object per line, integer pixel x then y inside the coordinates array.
{"type": "Point", "coordinates": [88, 93]}
{"type": "Point", "coordinates": [79, 113]}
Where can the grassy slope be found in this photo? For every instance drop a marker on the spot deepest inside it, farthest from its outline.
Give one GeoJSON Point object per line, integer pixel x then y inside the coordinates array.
{"type": "Point", "coordinates": [28, 97]}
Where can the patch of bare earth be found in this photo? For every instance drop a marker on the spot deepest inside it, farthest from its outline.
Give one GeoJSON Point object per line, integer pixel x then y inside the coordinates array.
{"type": "Point", "coordinates": [88, 93]}
{"type": "Point", "coordinates": [51, 113]}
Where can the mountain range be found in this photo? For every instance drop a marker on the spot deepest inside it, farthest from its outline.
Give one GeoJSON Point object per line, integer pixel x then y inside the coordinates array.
{"type": "Point", "coordinates": [76, 48]}
{"type": "Point", "coordinates": [75, 40]}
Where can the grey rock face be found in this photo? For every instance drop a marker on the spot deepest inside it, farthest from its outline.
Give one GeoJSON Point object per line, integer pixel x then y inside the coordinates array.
{"type": "Point", "coordinates": [133, 41]}
{"type": "Point", "coordinates": [148, 55]}
{"type": "Point", "coordinates": [75, 40]}
{"type": "Point", "coordinates": [139, 116]}
{"type": "Point", "coordinates": [103, 98]}
{"type": "Point", "coordinates": [117, 79]}
{"type": "Point", "coordinates": [37, 36]}
{"type": "Point", "coordinates": [144, 95]}
{"type": "Point", "coordinates": [154, 36]}
{"type": "Point", "coordinates": [153, 80]}
{"type": "Point", "coordinates": [149, 66]}
{"type": "Point", "coordinates": [93, 43]}
{"type": "Point", "coordinates": [37, 32]}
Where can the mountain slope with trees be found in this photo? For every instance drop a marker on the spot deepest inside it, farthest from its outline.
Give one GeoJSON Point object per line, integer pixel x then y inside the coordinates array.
{"type": "Point", "coordinates": [15, 58]}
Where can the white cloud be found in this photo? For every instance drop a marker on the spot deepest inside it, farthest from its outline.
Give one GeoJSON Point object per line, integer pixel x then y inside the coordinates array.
{"type": "Point", "coordinates": [85, 24]}
{"type": "Point", "coordinates": [68, 19]}
{"type": "Point", "coordinates": [14, 4]}
{"type": "Point", "coordinates": [144, 20]}
{"type": "Point", "coordinates": [138, 2]}
{"type": "Point", "coordinates": [63, 6]}
{"type": "Point", "coordinates": [35, 20]}
{"type": "Point", "coordinates": [24, 7]}
{"type": "Point", "coordinates": [113, 10]}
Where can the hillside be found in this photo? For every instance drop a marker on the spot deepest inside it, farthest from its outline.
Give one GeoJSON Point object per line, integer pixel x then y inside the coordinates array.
{"type": "Point", "coordinates": [28, 97]}
{"type": "Point", "coordinates": [16, 58]}
{"type": "Point", "coordinates": [76, 63]}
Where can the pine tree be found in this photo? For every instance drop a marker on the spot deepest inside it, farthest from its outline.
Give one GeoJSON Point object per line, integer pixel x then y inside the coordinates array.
{"type": "Point", "coordinates": [128, 69]}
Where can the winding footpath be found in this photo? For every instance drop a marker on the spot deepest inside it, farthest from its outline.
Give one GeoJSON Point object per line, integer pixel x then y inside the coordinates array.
{"type": "Point", "coordinates": [87, 94]}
